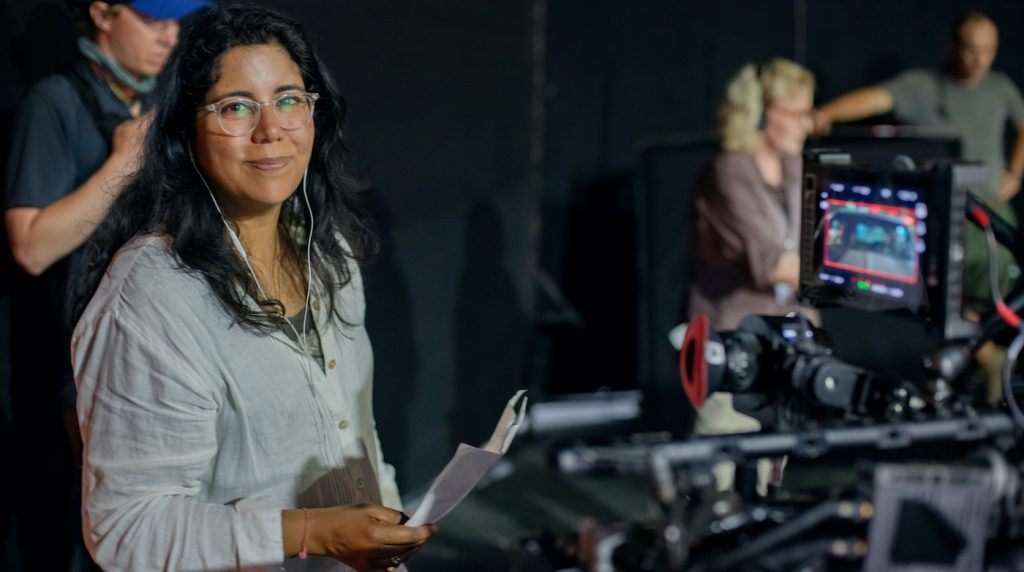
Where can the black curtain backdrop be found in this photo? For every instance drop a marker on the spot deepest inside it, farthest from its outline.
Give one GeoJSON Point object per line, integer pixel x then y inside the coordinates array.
{"type": "Point", "coordinates": [443, 119]}
{"type": "Point", "coordinates": [439, 124]}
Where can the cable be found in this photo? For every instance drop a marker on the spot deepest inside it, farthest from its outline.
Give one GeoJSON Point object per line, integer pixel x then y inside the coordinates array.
{"type": "Point", "coordinates": [1008, 315]}
{"type": "Point", "coordinates": [309, 260]}
{"type": "Point", "coordinates": [1011, 358]}
{"type": "Point", "coordinates": [1004, 311]}
{"type": "Point", "coordinates": [299, 339]}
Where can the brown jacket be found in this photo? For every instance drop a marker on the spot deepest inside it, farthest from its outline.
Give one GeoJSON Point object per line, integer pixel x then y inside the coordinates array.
{"type": "Point", "coordinates": [741, 230]}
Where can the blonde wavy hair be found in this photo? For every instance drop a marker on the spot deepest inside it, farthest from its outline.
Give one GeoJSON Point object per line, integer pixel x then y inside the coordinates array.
{"type": "Point", "coordinates": [754, 88]}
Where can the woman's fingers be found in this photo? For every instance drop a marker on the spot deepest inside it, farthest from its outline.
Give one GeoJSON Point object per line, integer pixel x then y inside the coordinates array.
{"type": "Point", "coordinates": [385, 514]}
{"type": "Point", "coordinates": [399, 535]}
{"type": "Point", "coordinates": [369, 537]}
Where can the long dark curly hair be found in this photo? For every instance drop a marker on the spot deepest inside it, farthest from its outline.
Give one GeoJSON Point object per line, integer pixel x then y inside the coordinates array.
{"type": "Point", "coordinates": [167, 197]}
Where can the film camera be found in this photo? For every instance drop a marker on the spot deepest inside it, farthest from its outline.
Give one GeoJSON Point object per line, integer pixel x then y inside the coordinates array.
{"type": "Point", "coordinates": [886, 241]}
{"type": "Point", "coordinates": [932, 477]}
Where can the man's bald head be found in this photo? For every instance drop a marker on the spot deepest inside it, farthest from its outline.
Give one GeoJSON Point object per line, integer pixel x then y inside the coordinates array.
{"type": "Point", "coordinates": [975, 41]}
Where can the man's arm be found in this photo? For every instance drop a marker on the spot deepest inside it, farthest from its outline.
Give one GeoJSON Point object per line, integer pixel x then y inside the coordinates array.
{"type": "Point", "coordinates": [857, 104]}
{"type": "Point", "coordinates": [40, 237]}
{"type": "Point", "coordinates": [1014, 168]}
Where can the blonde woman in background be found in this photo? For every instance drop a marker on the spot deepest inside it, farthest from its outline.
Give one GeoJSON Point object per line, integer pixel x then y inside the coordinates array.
{"type": "Point", "coordinates": [744, 244]}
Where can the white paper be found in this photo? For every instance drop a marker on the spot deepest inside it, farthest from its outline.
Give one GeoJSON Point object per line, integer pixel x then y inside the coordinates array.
{"type": "Point", "coordinates": [508, 425]}
{"type": "Point", "coordinates": [469, 465]}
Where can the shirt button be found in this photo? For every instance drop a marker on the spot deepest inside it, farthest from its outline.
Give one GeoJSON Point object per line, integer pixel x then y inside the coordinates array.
{"type": "Point", "coordinates": [360, 484]}
{"type": "Point", "coordinates": [316, 305]}
{"type": "Point", "coordinates": [331, 364]}
{"type": "Point", "coordinates": [343, 424]}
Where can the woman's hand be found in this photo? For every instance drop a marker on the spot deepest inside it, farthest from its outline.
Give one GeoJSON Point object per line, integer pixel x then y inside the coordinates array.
{"type": "Point", "coordinates": [366, 537]}
{"type": "Point", "coordinates": [787, 270]}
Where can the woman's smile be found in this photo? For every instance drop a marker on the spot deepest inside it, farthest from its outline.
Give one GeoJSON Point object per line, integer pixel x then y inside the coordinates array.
{"type": "Point", "coordinates": [270, 163]}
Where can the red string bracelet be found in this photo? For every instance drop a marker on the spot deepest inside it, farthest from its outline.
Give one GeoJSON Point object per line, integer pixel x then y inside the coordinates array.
{"type": "Point", "coordinates": [303, 549]}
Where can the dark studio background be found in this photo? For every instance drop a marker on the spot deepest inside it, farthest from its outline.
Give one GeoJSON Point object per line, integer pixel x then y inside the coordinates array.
{"type": "Point", "coordinates": [500, 139]}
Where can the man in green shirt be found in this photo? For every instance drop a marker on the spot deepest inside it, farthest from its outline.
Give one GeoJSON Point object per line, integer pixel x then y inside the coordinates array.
{"type": "Point", "coordinates": [968, 97]}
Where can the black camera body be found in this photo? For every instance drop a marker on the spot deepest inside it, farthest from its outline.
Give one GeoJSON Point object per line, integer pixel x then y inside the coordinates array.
{"type": "Point", "coordinates": [887, 239]}
{"type": "Point", "coordinates": [789, 364]}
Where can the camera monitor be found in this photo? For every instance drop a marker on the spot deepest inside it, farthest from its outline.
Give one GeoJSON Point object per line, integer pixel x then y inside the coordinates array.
{"type": "Point", "coordinates": [886, 240]}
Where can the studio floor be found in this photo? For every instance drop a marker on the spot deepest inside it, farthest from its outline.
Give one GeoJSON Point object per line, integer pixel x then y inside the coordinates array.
{"type": "Point", "coordinates": [489, 530]}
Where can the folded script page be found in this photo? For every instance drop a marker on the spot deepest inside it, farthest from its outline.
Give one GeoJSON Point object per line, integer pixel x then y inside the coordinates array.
{"type": "Point", "coordinates": [469, 465]}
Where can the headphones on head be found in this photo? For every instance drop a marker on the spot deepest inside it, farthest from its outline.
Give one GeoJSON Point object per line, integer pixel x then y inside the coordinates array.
{"type": "Point", "coordinates": [761, 70]}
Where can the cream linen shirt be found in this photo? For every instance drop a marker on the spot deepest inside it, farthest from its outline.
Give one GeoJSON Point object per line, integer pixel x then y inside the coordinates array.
{"type": "Point", "coordinates": [199, 431]}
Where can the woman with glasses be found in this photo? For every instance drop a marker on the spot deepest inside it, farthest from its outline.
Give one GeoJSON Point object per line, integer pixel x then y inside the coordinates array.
{"type": "Point", "coordinates": [224, 372]}
{"type": "Point", "coordinates": [747, 205]}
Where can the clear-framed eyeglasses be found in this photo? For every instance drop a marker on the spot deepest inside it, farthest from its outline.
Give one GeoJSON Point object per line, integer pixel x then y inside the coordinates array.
{"type": "Point", "coordinates": [239, 116]}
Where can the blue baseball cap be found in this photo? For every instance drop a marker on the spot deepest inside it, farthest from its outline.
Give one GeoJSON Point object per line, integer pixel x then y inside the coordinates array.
{"type": "Point", "coordinates": [167, 9]}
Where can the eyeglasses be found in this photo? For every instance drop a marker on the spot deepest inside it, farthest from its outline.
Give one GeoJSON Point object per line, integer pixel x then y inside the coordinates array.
{"type": "Point", "coordinates": [790, 113]}
{"type": "Point", "coordinates": [239, 116]}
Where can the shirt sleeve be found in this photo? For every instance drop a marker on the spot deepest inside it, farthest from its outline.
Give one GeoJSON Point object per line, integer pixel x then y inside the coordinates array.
{"type": "Point", "coordinates": [386, 479]}
{"type": "Point", "coordinates": [41, 162]}
{"type": "Point", "coordinates": [353, 300]}
{"type": "Point", "coordinates": [731, 226]}
{"type": "Point", "coordinates": [149, 426]}
{"type": "Point", "coordinates": [914, 95]}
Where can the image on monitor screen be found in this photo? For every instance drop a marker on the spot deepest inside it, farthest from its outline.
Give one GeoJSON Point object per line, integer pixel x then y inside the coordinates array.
{"type": "Point", "coordinates": [872, 239]}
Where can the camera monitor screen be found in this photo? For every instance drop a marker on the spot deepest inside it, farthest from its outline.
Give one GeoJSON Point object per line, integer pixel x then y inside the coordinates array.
{"type": "Point", "coordinates": [885, 239]}
{"type": "Point", "coordinates": [873, 237]}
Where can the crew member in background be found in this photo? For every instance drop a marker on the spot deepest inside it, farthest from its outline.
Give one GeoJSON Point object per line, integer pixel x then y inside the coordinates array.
{"type": "Point", "coordinates": [745, 240]}
{"type": "Point", "coordinates": [76, 136]}
{"type": "Point", "coordinates": [976, 103]}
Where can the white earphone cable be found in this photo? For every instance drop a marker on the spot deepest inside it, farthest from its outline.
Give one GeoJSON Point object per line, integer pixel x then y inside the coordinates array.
{"type": "Point", "coordinates": [300, 339]}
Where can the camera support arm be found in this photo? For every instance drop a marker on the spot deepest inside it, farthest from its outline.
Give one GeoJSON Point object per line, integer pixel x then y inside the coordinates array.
{"type": "Point", "coordinates": [812, 443]}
